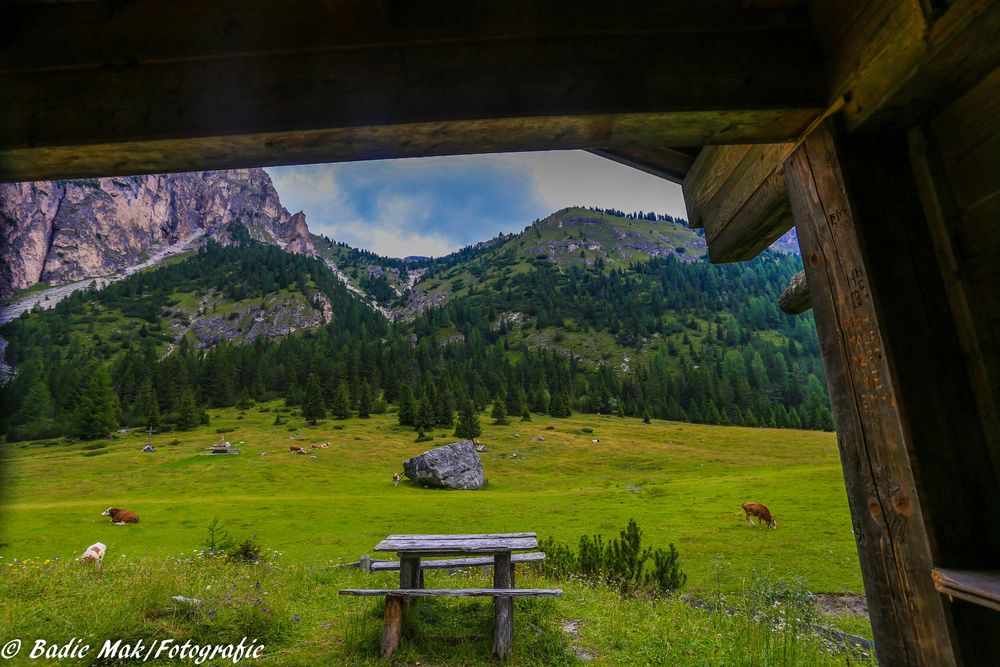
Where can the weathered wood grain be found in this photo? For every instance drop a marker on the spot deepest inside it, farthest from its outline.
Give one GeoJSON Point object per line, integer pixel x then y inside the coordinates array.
{"type": "Point", "coordinates": [448, 545]}
{"type": "Point", "coordinates": [669, 163]}
{"type": "Point", "coordinates": [458, 536]}
{"type": "Point", "coordinates": [455, 592]}
{"type": "Point", "coordinates": [795, 298]}
{"type": "Point", "coordinates": [979, 587]}
{"type": "Point", "coordinates": [894, 62]}
{"type": "Point", "coordinates": [737, 193]}
{"type": "Point", "coordinates": [534, 557]}
{"type": "Point", "coordinates": [909, 622]}
{"type": "Point", "coordinates": [503, 607]}
{"type": "Point", "coordinates": [392, 625]}
{"type": "Point", "coordinates": [222, 86]}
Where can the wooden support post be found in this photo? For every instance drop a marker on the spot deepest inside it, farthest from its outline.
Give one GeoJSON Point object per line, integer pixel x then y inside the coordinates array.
{"type": "Point", "coordinates": [392, 625]}
{"type": "Point", "coordinates": [503, 608]}
{"type": "Point", "coordinates": [909, 621]}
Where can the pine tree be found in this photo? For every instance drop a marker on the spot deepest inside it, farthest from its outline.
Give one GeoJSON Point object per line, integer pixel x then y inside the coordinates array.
{"type": "Point", "coordinates": [499, 413]}
{"type": "Point", "coordinates": [341, 406]}
{"type": "Point", "coordinates": [559, 405]}
{"type": "Point", "coordinates": [364, 399]}
{"type": "Point", "coordinates": [525, 415]}
{"type": "Point", "coordinates": [425, 414]}
{"type": "Point", "coordinates": [313, 408]}
{"type": "Point", "coordinates": [407, 406]}
{"type": "Point", "coordinates": [468, 422]}
{"type": "Point", "coordinates": [187, 411]}
{"type": "Point", "coordinates": [97, 411]}
{"type": "Point", "coordinates": [153, 412]}
{"type": "Point", "coordinates": [244, 402]}
{"type": "Point", "coordinates": [37, 404]}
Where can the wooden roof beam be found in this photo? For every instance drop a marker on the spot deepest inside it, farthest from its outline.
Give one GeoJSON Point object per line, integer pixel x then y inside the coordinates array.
{"type": "Point", "coordinates": [103, 88]}
{"type": "Point", "coordinates": [895, 62]}
{"type": "Point", "coordinates": [737, 193]}
{"type": "Point", "coordinates": [669, 163]}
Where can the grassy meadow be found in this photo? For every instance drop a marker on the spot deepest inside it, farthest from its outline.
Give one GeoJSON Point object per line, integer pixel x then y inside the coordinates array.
{"type": "Point", "coordinates": [682, 483]}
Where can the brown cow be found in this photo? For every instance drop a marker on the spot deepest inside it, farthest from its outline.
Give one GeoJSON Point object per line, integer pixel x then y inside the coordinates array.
{"type": "Point", "coordinates": [120, 517]}
{"type": "Point", "coordinates": [759, 511]}
{"type": "Point", "coordinates": [295, 449]}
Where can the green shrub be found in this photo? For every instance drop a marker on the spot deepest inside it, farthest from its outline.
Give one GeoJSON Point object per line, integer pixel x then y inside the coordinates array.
{"type": "Point", "coordinates": [620, 562]}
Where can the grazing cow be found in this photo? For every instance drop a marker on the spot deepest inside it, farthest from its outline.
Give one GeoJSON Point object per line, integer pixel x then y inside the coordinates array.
{"type": "Point", "coordinates": [395, 479]}
{"type": "Point", "coordinates": [759, 511]}
{"type": "Point", "coordinates": [94, 553]}
{"type": "Point", "coordinates": [295, 449]}
{"type": "Point", "coordinates": [120, 517]}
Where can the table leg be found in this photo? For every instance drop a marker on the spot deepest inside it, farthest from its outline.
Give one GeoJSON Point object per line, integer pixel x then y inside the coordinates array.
{"type": "Point", "coordinates": [410, 576]}
{"type": "Point", "coordinates": [503, 608]}
{"type": "Point", "coordinates": [392, 625]}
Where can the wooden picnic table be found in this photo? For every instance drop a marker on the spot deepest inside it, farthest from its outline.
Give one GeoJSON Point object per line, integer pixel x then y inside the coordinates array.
{"type": "Point", "coordinates": [498, 546]}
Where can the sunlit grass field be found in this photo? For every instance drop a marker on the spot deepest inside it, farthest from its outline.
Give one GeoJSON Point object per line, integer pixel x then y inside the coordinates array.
{"type": "Point", "coordinates": [682, 483]}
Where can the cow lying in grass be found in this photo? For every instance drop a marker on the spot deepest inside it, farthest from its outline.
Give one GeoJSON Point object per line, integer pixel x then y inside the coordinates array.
{"type": "Point", "coordinates": [759, 511]}
{"type": "Point", "coordinates": [120, 517]}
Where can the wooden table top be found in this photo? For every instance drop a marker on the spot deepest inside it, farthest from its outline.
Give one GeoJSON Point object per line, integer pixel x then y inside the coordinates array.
{"type": "Point", "coordinates": [442, 545]}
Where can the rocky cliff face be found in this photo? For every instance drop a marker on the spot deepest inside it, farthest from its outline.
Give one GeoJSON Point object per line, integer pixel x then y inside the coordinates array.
{"type": "Point", "coordinates": [62, 231]}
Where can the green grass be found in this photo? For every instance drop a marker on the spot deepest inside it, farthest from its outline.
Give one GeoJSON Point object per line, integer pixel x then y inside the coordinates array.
{"type": "Point", "coordinates": [683, 483]}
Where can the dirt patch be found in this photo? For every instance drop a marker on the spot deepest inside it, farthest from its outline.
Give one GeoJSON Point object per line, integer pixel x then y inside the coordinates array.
{"type": "Point", "coordinates": [572, 628]}
{"type": "Point", "coordinates": [849, 604]}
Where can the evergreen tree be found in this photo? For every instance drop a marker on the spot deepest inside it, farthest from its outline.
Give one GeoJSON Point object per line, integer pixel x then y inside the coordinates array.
{"type": "Point", "coordinates": [313, 408]}
{"type": "Point", "coordinates": [559, 405]}
{"type": "Point", "coordinates": [425, 414]}
{"type": "Point", "coordinates": [407, 407]}
{"type": "Point", "coordinates": [468, 422]}
{"type": "Point", "coordinates": [525, 415]}
{"type": "Point", "coordinates": [187, 411]}
{"type": "Point", "coordinates": [97, 409]}
{"type": "Point", "coordinates": [364, 399]}
{"type": "Point", "coordinates": [499, 413]}
{"type": "Point", "coordinates": [244, 402]}
{"type": "Point", "coordinates": [153, 412]}
{"type": "Point", "coordinates": [37, 404]}
{"type": "Point", "coordinates": [341, 406]}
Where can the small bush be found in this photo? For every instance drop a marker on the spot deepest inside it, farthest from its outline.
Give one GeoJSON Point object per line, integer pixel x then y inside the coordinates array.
{"type": "Point", "coordinates": [225, 430]}
{"type": "Point", "coordinates": [249, 550]}
{"type": "Point", "coordinates": [620, 562]}
{"type": "Point", "coordinates": [587, 430]}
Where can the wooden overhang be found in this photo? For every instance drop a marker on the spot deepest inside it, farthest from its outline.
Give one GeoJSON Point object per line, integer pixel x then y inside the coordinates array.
{"type": "Point", "coordinates": [112, 87]}
{"type": "Point", "coordinates": [872, 127]}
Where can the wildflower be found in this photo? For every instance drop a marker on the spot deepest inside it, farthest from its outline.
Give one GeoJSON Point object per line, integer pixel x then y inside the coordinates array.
{"type": "Point", "coordinates": [296, 617]}
{"type": "Point", "coordinates": [211, 613]}
{"type": "Point", "coordinates": [265, 608]}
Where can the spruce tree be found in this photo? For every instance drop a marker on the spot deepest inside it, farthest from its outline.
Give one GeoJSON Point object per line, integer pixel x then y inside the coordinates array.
{"type": "Point", "coordinates": [313, 408]}
{"type": "Point", "coordinates": [468, 422]}
{"type": "Point", "coordinates": [499, 413]}
{"type": "Point", "coordinates": [244, 402]}
{"type": "Point", "coordinates": [407, 406]}
{"type": "Point", "coordinates": [37, 404]}
{"type": "Point", "coordinates": [341, 406]}
{"type": "Point", "coordinates": [364, 399]}
{"type": "Point", "coordinates": [187, 412]}
{"type": "Point", "coordinates": [153, 412]}
{"type": "Point", "coordinates": [425, 414]}
{"type": "Point", "coordinates": [97, 409]}
{"type": "Point", "coordinates": [525, 415]}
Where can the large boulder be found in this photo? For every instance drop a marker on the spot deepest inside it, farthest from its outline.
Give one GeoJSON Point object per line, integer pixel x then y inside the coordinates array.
{"type": "Point", "coordinates": [454, 466]}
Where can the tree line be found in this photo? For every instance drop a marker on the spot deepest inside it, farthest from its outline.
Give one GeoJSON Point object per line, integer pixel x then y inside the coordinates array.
{"type": "Point", "coordinates": [707, 345]}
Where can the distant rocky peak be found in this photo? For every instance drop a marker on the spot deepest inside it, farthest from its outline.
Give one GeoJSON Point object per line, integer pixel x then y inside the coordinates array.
{"type": "Point", "coordinates": [63, 231]}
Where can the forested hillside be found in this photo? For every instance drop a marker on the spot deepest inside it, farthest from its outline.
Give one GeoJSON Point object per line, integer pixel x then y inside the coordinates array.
{"type": "Point", "coordinates": [661, 337]}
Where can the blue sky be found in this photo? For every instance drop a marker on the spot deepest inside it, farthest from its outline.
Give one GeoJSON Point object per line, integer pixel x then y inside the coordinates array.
{"type": "Point", "coordinates": [433, 206]}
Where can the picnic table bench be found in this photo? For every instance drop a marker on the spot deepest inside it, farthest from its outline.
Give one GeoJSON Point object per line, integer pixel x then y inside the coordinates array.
{"type": "Point", "coordinates": [480, 549]}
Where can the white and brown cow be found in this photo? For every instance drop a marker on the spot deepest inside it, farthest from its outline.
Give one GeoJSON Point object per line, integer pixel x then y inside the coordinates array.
{"type": "Point", "coordinates": [120, 517]}
{"type": "Point", "coordinates": [759, 511]}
